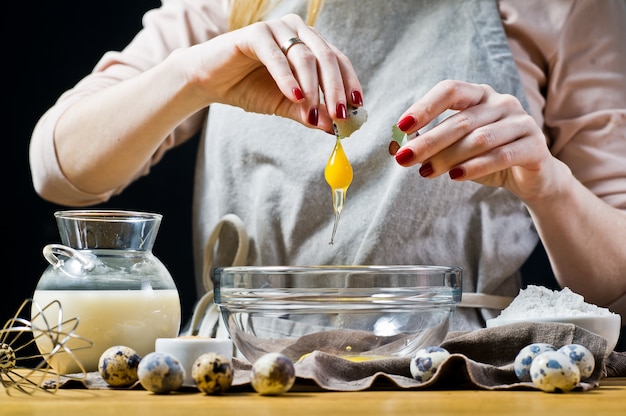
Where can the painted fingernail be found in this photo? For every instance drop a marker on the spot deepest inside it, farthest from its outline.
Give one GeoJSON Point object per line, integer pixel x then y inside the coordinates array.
{"type": "Point", "coordinates": [426, 170]}
{"type": "Point", "coordinates": [357, 98]}
{"type": "Point", "coordinates": [393, 147]}
{"type": "Point", "coordinates": [406, 123]}
{"type": "Point", "coordinates": [404, 156]}
{"type": "Point", "coordinates": [313, 116]}
{"type": "Point", "coordinates": [456, 173]}
{"type": "Point", "coordinates": [341, 111]}
{"type": "Point", "coordinates": [297, 93]}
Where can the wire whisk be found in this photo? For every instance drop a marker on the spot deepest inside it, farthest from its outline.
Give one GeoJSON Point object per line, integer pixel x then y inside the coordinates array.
{"type": "Point", "coordinates": [23, 365]}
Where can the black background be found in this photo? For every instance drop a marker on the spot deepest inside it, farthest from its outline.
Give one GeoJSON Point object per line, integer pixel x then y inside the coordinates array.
{"type": "Point", "coordinates": [49, 47]}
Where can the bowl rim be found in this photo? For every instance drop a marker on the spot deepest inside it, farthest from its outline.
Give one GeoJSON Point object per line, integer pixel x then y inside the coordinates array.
{"type": "Point", "coordinates": [495, 322]}
{"type": "Point", "coordinates": [398, 268]}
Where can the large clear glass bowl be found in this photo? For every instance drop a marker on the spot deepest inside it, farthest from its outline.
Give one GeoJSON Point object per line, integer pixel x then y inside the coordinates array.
{"type": "Point", "coordinates": [356, 312]}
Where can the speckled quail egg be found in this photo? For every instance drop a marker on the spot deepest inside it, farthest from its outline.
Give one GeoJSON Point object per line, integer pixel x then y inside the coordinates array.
{"type": "Point", "coordinates": [118, 366]}
{"type": "Point", "coordinates": [8, 359]}
{"type": "Point", "coordinates": [272, 374]}
{"type": "Point", "coordinates": [212, 372]}
{"type": "Point", "coordinates": [426, 361]}
{"type": "Point", "coordinates": [582, 357]}
{"type": "Point", "coordinates": [161, 372]}
{"type": "Point", "coordinates": [525, 357]}
{"type": "Point", "coordinates": [345, 127]}
{"type": "Point", "coordinates": [554, 372]}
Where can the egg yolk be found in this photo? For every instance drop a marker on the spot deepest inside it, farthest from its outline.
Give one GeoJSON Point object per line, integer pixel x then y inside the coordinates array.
{"type": "Point", "coordinates": [338, 170]}
{"type": "Point", "coordinates": [338, 174]}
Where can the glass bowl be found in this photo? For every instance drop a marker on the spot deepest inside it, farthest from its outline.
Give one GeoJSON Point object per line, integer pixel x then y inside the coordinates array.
{"type": "Point", "coordinates": [356, 312]}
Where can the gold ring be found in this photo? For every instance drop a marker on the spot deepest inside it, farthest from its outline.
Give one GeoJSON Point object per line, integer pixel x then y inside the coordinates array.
{"type": "Point", "coordinates": [287, 45]}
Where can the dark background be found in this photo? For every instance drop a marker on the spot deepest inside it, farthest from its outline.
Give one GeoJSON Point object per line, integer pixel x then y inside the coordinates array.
{"type": "Point", "coordinates": [49, 46]}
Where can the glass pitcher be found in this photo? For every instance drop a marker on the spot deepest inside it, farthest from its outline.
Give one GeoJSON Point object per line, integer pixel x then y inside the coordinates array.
{"type": "Point", "coordinates": [104, 274]}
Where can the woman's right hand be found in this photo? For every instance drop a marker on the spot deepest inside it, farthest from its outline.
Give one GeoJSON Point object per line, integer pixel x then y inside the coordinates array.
{"type": "Point", "coordinates": [247, 68]}
{"type": "Point", "coordinates": [109, 138]}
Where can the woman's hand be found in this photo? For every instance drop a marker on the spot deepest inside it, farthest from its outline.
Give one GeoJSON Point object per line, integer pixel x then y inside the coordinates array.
{"type": "Point", "coordinates": [491, 140]}
{"type": "Point", "coordinates": [258, 69]}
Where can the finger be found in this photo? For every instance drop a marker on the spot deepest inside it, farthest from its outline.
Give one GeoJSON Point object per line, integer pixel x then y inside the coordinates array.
{"type": "Point", "coordinates": [471, 131]}
{"type": "Point", "coordinates": [352, 86]}
{"type": "Point", "coordinates": [328, 67]}
{"type": "Point", "coordinates": [313, 64]}
{"type": "Point", "coordinates": [521, 152]}
{"type": "Point", "coordinates": [351, 83]}
{"type": "Point", "coordinates": [477, 143]}
{"type": "Point", "coordinates": [475, 130]}
{"type": "Point", "coordinates": [304, 66]}
{"type": "Point", "coordinates": [295, 77]}
{"type": "Point", "coordinates": [338, 79]}
{"type": "Point", "coordinates": [438, 140]}
{"type": "Point", "coordinates": [260, 43]}
{"type": "Point", "coordinates": [445, 95]}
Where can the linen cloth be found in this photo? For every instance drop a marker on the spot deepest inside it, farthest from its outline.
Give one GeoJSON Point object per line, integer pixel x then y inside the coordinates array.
{"type": "Point", "coordinates": [481, 360]}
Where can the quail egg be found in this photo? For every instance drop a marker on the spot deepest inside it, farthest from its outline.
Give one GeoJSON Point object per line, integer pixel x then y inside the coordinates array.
{"type": "Point", "coordinates": [118, 366]}
{"type": "Point", "coordinates": [525, 357]}
{"type": "Point", "coordinates": [160, 372]}
{"type": "Point", "coordinates": [272, 374]}
{"type": "Point", "coordinates": [213, 373]}
{"type": "Point", "coordinates": [554, 372]}
{"type": "Point", "coordinates": [582, 357]}
{"type": "Point", "coordinates": [8, 359]}
{"type": "Point", "coordinates": [426, 361]}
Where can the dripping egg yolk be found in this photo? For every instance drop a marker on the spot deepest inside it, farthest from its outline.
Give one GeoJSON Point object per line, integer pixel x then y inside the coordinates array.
{"type": "Point", "coordinates": [338, 172]}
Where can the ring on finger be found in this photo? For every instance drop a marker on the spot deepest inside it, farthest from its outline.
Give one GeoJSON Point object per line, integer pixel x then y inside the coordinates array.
{"type": "Point", "coordinates": [287, 45]}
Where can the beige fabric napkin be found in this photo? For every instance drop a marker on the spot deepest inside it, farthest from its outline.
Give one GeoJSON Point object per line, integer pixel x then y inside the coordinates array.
{"type": "Point", "coordinates": [481, 359]}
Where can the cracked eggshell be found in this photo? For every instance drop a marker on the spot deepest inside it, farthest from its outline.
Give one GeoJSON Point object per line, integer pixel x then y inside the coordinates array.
{"type": "Point", "coordinates": [212, 373]}
{"type": "Point", "coordinates": [525, 357]}
{"type": "Point", "coordinates": [554, 372]}
{"type": "Point", "coordinates": [118, 366]}
{"type": "Point", "coordinates": [272, 374]}
{"type": "Point", "coordinates": [426, 361]}
{"type": "Point", "coordinates": [582, 357]}
{"type": "Point", "coordinates": [356, 118]}
{"type": "Point", "coordinates": [160, 373]}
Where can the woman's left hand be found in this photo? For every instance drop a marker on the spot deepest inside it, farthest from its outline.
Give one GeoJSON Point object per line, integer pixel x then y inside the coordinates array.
{"type": "Point", "coordinates": [491, 140]}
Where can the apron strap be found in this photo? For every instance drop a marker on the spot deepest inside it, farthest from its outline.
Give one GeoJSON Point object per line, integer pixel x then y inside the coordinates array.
{"type": "Point", "coordinates": [206, 317]}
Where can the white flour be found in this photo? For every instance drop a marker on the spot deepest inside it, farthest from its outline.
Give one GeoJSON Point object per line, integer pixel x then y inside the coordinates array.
{"type": "Point", "coordinates": [538, 301]}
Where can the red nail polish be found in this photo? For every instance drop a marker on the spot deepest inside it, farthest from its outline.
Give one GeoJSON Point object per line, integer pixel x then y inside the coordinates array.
{"type": "Point", "coordinates": [456, 173]}
{"type": "Point", "coordinates": [297, 93]}
{"type": "Point", "coordinates": [404, 156]}
{"type": "Point", "coordinates": [313, 116]}
{"type": "Point", "coordinates": [341, 111]}
{"type": "Point", "coordinates": [426, 170]}
{"type": "Point", "coordinates": [357, 98]}
{"type": "Point", "coordinates": [406, 123]}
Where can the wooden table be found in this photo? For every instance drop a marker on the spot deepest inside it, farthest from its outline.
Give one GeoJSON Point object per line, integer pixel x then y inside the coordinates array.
{"type": "Point", "coordinates": [609, 399]}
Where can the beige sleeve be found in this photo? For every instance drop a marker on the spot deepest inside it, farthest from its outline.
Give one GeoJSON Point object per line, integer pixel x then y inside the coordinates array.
{"type": "Point", "coordinates": [572, 60]}
{"type": "Point", "coordinates": [176, 24]}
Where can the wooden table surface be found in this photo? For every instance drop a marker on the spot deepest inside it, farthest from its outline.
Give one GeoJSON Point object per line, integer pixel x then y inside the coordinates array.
{"type": "Point", "coordinates": [609, 399]}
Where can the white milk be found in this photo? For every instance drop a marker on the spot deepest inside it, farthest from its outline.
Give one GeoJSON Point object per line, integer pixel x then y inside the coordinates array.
{"type": "Point", "coordinates": [134, 318]}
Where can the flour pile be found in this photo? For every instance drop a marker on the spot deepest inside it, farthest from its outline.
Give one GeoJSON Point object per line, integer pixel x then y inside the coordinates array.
{"type": "Point", "coordinates": [541, 302]}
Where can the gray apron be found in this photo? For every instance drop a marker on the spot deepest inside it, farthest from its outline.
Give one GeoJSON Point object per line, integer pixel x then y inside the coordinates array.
{"type": "Point", "coordinates": [269, 171]}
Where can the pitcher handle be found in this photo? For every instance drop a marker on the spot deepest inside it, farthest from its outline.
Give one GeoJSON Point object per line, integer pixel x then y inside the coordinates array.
{"type": "Point", "coordinates": [51, 253]}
